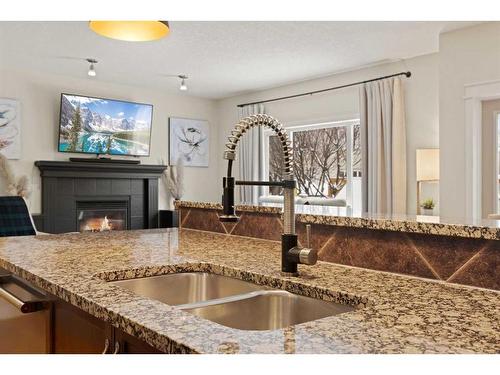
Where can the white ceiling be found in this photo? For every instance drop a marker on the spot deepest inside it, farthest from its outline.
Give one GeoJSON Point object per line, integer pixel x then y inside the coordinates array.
{"type": "Point", "coordinates": [221, 58]}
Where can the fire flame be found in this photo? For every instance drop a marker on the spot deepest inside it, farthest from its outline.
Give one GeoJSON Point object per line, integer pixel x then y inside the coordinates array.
{"type": "Point", "coordinates": [98, 225]}
{"type": "Point", "coordinates": [105, 224]}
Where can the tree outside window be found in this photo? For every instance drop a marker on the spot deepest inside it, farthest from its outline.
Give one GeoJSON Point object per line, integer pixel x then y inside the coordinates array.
{"type": "Point", "coordinates": [320, 160]}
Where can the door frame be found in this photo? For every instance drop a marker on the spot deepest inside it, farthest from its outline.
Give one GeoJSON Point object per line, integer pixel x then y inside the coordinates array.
{"type": "Point", "coordinates": [474, 95]}
{"type": "Point", "coordinates": [496, 170]}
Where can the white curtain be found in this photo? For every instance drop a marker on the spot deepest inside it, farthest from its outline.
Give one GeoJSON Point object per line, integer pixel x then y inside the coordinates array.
{"type": "Point", "coordinates": [251, 157]}
{"type": "Point", "coordinates": [383, 143]}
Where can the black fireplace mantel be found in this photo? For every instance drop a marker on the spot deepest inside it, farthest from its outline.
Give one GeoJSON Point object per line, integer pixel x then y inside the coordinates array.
{"type": "Point", "coordinates": [89, 169]}
{"type": "Point", "coordinates": [65, 183]}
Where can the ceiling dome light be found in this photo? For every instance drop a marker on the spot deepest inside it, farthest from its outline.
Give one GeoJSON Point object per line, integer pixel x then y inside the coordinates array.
{"type": "Point", "coordinates": [131, 31]}
{"type": "Point", "coordinates": [183, 86]}
{"type": "Point", "coordinates": [92, 72]}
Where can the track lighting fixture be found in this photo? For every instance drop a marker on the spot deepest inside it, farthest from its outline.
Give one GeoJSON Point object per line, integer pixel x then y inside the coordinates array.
{"type": "Point", "coordinates": [183, 86]}
{"type": "Point", "coordinates": [92, 72]}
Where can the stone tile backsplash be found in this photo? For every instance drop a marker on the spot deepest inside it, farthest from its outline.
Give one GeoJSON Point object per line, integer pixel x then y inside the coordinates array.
{"type": "Point", "coordinates": [468, 261]}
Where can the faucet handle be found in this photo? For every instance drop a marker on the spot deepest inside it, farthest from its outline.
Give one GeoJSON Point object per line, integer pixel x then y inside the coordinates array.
{"type": "Point", "coordinates": [308, 256]}
{"type": "Point", "coordinates": [308, 235]}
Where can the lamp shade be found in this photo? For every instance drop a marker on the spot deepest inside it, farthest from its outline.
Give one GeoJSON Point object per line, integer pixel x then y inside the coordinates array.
{"type": "Point", "coordinates": [428, 164]}
{"type": "Point", "coordinates": [132, 31]}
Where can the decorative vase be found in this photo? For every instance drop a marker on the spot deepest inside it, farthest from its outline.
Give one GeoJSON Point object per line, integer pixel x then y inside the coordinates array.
{"type": "Point", "coordinates": [428, 211]}
{"type": "Point", "coordinates": [172, 203]}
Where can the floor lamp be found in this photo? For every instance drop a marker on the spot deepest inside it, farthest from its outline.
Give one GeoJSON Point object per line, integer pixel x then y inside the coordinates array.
{"type": "Point", "coordinates": [427, 169]}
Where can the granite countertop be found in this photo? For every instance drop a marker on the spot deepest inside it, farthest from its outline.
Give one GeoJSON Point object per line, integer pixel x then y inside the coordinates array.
{"type": "Point", "coordinates": [395, 314]}
{"type": "Point", "coordinates": [343, 216]}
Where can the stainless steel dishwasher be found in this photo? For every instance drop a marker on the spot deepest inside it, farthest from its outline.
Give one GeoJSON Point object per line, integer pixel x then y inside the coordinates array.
{"type": "Point", "coordinates": [25, 317]}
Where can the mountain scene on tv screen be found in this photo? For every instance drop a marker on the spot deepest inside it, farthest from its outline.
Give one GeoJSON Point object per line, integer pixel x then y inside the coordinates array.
{"type": "Point", "coordinates": [101, 126]}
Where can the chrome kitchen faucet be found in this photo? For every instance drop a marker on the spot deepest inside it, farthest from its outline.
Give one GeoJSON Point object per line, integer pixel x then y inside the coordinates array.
{"type": "Point", "coordinates": [291, 253]}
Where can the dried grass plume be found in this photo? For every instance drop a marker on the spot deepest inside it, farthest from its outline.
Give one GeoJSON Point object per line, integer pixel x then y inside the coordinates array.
{"type": "Point", "coordinates": [174, 179]}
{"type": "Point", "coordinates": [14, 186]}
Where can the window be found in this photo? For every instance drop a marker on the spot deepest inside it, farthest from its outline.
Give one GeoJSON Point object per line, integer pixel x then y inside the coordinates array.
{"type": "Point", "coordinates": [324, 156]}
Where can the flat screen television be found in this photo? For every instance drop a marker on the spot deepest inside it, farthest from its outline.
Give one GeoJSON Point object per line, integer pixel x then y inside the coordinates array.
{"type": "Point", "coordinates": [104, 126]}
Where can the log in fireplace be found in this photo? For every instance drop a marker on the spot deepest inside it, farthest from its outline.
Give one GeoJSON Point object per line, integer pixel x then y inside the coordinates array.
{"type": "Point", "coordinates": [101, 216]}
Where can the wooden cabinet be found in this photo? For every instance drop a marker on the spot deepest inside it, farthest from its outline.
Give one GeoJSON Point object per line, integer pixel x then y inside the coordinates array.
{"type": "Point", "coordinates": [128, 344]}
{"type": "Point", "coordinates": [77, 332]}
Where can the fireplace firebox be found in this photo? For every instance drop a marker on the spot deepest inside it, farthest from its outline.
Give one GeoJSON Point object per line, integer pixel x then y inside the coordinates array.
{"type": "Point", "coordinates": [101, 216]}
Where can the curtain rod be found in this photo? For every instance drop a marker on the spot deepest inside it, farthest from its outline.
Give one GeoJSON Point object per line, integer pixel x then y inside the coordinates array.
{"type": "Point", "coordinates": [407, 74]}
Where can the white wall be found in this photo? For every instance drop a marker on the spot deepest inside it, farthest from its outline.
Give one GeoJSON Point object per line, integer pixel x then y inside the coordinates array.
{"type": "Point", "coordinates": [422, 112]}
{"type": "Point", "coordinates": [40, 98]}
{"type": "Point", "coordinates": [469, 55]}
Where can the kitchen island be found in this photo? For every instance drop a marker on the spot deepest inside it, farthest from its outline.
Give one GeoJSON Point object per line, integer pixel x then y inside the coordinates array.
{"type": "Point", "coordinates": [394, 313]}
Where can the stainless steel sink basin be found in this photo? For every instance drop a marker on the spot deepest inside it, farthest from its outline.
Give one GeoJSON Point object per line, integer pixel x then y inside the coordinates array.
{"type": "Point", "coordinates": [189, 287]}
{"type": "Point", "coordinates": [268, 310]}
{"type": "Point", "coordinates": [231, 302]}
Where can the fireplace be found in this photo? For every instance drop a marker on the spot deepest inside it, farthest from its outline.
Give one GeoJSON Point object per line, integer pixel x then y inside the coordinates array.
{"type": "Point", "coordinates": [102, 216]}
{"type": "Point", "coordinates": [128, 194]}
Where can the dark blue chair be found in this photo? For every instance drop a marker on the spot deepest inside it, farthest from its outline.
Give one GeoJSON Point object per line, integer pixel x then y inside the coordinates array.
{"type": "Point", "coordinates": [15, 218]}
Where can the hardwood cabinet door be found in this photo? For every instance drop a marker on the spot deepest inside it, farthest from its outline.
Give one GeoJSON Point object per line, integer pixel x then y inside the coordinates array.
{"type": "Point", "coordinates": [77, 332]}
{"type": "Point", "coordinates": [128, 344]}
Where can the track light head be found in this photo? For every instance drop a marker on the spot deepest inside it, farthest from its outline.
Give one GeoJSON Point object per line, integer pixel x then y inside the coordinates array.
{"type": "Point", "coordinates": [92, 72]}
{"type": "Point", "coordinates": [183, 86]}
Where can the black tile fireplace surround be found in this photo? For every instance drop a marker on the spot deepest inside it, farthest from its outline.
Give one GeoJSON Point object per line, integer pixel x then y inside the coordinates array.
{"type": "Point", "coordinates": [69, 187]}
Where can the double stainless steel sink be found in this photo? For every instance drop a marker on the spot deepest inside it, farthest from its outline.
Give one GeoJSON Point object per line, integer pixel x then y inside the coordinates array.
{"type": "Point", "coordinates": [231, 302]}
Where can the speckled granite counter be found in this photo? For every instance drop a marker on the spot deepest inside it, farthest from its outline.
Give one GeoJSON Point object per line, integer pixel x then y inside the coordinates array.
{"type": "Point", "coordinates": [341, 216]}
{"type": "Point", "coordinates": [396, 314]}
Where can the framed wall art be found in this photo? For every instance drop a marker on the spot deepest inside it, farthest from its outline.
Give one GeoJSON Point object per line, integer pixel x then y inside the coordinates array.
{"type": "Point", "coordinates": [10, 128]}
{"type": "Point", "coordinates": [189, 140]}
